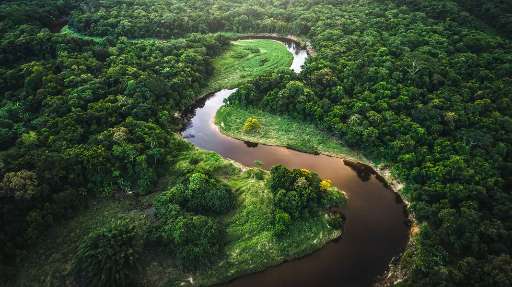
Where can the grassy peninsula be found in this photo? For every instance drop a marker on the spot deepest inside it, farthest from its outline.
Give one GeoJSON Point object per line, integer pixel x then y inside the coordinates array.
{"type": "Point", "coordinates": [247, 59]}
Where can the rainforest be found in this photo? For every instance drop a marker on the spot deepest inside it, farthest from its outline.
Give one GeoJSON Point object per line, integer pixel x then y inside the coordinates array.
{"type": "Point", "coordinates": [255, 143]}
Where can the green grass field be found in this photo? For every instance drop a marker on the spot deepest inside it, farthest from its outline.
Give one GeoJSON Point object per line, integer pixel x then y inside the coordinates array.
{"type": "Point", "coordinates": [281, 131]}
{"type": "Point", "coordinates": [245, 60]}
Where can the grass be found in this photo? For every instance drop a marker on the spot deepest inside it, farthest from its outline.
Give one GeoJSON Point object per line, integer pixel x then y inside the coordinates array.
{"type": "Point", "coordinates": [280, 130]}
{"type": "Point", "coordinates": [242, 62]}
{"type": "Point", "coordinates": [245, 60]}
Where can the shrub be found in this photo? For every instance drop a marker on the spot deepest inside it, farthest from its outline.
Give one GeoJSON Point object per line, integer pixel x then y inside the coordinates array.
{"type": "Point", "coordinates": [333, 198]}
{"type": "Point", "coordinates": [296, 192]}
{"type": "Point", "coordinates": [202, 194]}
{"type": "Point", "coordinates": [195, 239]}
{"type": "Point", "coordinates": [165, 208]}
{"type": "Point", "coordinates": [198, 239]}
{"type": "Point", "coordinates": [22, 184]}
{"type": "Point", "coordinates": [300, 192]}
{"type": "Point", "coordinates": [281, 222]}
{"type": "Point", "coordinates": [325, 184]}
{"type": "Point", "coordinates": [335, 219]}
{"type": "Point", "coordinates": [108, 257]}
{"type": "Point", "coordinates": [251, 125]}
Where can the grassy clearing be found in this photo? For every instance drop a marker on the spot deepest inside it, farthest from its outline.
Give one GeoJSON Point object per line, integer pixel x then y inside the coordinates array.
{"type": "Point", "coordinates": [247, 59]}
{"type": "Point", "coordinates": [280, 130]}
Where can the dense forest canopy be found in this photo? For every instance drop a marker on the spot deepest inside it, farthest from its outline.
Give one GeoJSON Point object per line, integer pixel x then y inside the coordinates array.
{"type": "Point", "coordinates": [424, 86]}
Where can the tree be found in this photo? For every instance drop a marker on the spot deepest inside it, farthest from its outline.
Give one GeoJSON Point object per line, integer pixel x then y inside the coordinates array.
{"type": "Point", "coordinates": [109, 256]}
{"type": "Point", "coordinates": [251, 125]}
{"type": "Point", "coordinates": [22, 184]}
{"type": "Point", "coordinates": [198, 240]}
{"type": "Point", "coordinates": [201, 194]}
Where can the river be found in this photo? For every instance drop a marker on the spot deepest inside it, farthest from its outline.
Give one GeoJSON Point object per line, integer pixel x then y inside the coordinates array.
{"type": "Point", "coordinates": [375, 230]}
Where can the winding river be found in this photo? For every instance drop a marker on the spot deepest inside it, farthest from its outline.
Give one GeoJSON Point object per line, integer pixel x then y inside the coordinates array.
{"type": "Point", "coordinates": [376, 228]}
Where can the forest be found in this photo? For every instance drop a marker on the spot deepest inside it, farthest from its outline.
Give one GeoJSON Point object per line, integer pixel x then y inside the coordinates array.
{"type": "Point", "coordinates": [422, 86]}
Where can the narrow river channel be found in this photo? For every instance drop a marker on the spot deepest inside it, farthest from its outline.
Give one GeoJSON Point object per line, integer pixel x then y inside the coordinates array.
{"type": "Point", "coordinates": [376, 227]}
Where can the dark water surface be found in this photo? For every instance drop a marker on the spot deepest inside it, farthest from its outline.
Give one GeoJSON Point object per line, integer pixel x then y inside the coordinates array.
{"type": "Point", "coordinates": [375, 230]}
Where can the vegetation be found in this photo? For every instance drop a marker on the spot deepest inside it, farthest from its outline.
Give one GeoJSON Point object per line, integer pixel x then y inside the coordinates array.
{"type": "Point", "coordinates": [83, 119]}
{"type": "Point", "coordinates": [300, 193]}
{"type": "Point", "coordinates": [440, 126]}
{"type": "Point", "coordinates": [169, 245]}
{"type": "Point", "coordinates": [251, 125]}
{"type": "Point", "coordinates": [495, 13]}
{"type": "Point", "coordinates": [109, 256]}
{"type": "Point", "coordinates": [279, 130]}
{"type": "Point", "coordinates": [245, 60]}
{"type": "Point", "coordinates": [201, 194]}
{"type": "Point", "coordinates": [60, 246]}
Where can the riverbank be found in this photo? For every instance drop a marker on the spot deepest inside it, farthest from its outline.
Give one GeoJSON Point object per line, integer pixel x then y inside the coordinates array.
{"type": "Point", "coordinates": [301, 42]}
{"type": "Point", "coordinates": [278, 130]}
{"type": "Point", "coordinates": [251, 244]}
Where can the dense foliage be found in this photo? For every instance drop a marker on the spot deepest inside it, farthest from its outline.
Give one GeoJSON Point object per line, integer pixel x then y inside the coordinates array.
{"type": "Point", "coordinates": [251, 125]}
{"type": "Point", "coordinates": [196, 239]}
{"type": "Point", "coordinates": [496, 13]}
{"type": "Point", "coordinates": [108, 257]}
{"type": "Point", "coordinates": [444, 127]}
{"type": "Point", "coordinates": [202, 194]}
{"type": "Point", "coordinates": [300, 193]}
{"type": "Point", "coordinates": [79, 116]}
{"type": "Point", "coordinates": [421, 85]}
{"type": "Point", "coordinates": [296, 192]}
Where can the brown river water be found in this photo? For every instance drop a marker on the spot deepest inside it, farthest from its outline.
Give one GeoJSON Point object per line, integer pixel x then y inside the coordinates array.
{"type": "Point", "coordinates": [375, 231]}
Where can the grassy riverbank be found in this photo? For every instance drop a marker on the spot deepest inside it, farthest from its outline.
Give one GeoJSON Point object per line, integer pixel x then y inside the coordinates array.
{"type": "Point", "coordinates": [247, 59]}
{"type": "Point", "coordinates": [280, 130]}
{"type": "Point", "coordinates": [251, 245]}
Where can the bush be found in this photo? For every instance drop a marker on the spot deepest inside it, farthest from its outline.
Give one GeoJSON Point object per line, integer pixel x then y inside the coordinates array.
{"type": "Point", "coordinates": [335, 219]}
{"type": "Point", "coordinates": [281, 222]}
{"type": "Point", "coordinates": [202, 194]}
{"type": "Point", "coordinates": [165, 209]}
{"type": "Point", "coordinates": [108, 257]}
{"type": "Point", "coordinates": [333, 199]}
{"type": "Point", "coordinates": [197, 239]}
{"type": "Point", "coordinates": [297, 192]}
{"type": "Point", "coordinates": [251, 125]}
